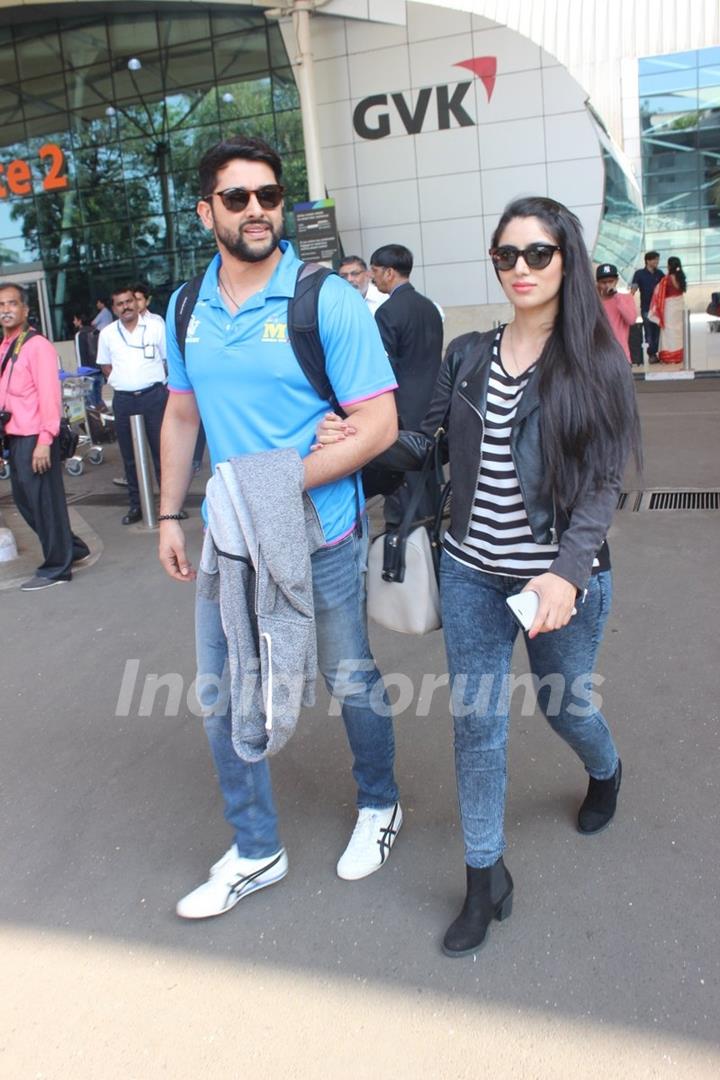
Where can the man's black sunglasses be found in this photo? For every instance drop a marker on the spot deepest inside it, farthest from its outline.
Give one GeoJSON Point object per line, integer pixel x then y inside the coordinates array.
{"type": "Point", "coordinates": [536, 256]}
{"type": "Point", "coordinates": [237, 199]}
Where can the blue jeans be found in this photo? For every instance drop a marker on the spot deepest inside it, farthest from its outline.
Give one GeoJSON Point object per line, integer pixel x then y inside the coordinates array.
{"type": "Point", "coordinates": [479, 635]}
{"type": "Point", "coordinates": [347, 665]}
{"type": "Point", "coordinates": [93, 397]}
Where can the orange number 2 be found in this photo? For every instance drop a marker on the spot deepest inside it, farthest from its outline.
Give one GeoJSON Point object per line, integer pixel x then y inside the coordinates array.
{"type": "Point", "coordinates": [55, 179]}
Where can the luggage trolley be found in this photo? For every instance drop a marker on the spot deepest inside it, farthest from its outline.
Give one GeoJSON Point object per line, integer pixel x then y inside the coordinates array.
{"type": "Point", "coordinates": [75, 386]}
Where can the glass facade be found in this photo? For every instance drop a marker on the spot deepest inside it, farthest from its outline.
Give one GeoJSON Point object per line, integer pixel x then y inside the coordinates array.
{"type": "Point", "coordinates": [680, 134]}
{"type": "Point", "coordinates": [103, 119]}
{"type": "Point", "coordinates": [620, 235]}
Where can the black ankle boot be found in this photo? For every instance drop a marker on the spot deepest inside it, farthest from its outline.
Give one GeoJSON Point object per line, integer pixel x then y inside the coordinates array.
{"type": "Point", "coordinates": [489, 896]}
{"type": "Point", "coordinates": [598, 810]}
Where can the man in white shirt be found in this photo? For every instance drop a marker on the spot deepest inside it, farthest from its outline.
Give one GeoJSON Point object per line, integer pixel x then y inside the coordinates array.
{"type": "Point", "coordinates": [355, 271]}
{"type": "Point", "coordinates": [132, 354]}
{"type": "Point", "coordinates": [143, 297]}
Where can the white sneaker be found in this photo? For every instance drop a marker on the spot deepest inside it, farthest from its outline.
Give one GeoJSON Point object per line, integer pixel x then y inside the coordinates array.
{"type": "Point", "coordinates": [230, 879]}
{"type": "Point", "coordinates": [373, 836]}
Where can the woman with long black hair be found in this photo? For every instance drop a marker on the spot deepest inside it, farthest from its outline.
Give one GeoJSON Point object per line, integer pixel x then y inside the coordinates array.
{"type": "Point", "coordinates": [667, 309]}
{"type": "Point", "coordinates": [540, 418]}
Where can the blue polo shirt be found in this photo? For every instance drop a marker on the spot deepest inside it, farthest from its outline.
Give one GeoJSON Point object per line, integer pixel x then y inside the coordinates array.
{"type": "Point", "coordinates": [250, 390]}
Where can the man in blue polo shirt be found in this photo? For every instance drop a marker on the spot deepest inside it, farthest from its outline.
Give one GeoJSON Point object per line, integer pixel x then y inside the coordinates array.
{"type": "Point", "coordinates": [241, 377]}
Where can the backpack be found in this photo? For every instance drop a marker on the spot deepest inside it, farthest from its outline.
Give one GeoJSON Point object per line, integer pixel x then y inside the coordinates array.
{"type": "Point", "coordinates": [302, 329]}
{"type": "Point", "coordinates": [302, 326]}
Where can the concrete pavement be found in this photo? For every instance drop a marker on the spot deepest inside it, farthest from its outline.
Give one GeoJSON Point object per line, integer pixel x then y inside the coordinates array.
{"type": "Point", "coordinates": [610, 963]}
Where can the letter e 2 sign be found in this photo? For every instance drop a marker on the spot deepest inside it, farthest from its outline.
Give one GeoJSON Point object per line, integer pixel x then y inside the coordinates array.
{"type": "Point", "coordinates": [17, 178]}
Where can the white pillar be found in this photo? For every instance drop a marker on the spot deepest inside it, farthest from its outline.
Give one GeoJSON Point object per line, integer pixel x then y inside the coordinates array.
{"type": "Point", "coordinates": [305, 76]}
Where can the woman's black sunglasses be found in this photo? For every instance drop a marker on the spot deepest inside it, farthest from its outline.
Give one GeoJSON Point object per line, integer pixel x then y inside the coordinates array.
{"type": "Point", "coordinates": [536, 256]}
{"type": "Point", "coordinates": [237, 199]}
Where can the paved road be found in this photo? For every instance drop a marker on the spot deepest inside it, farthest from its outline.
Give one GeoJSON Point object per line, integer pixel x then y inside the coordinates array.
{"type": "Point", "coordinates": [609, 964]}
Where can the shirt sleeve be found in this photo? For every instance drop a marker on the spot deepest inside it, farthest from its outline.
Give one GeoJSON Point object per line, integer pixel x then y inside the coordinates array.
{"type": "Point", "coordinates": [43, 364]}
{"type": "Point", "coordinates": [355, 359]}
{"type": "Point", "coordinates": [178, 380]}
{"type": "Point", "coordinates": [626, 308]}
{"type": "Point", "coordinates": [162, 342]}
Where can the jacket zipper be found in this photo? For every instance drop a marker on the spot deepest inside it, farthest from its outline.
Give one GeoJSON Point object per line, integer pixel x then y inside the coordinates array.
{"type": "Point", "coordinates": [553, 527]}
{"type": "Point", "coordinates": [481, 418]}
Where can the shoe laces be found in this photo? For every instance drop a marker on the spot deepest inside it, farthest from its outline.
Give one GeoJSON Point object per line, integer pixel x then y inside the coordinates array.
{"type": "Point", "coordinates": [367, 825]}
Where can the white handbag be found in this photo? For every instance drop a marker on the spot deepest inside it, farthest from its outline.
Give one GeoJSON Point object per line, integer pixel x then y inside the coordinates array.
{"type": "Point", "coordinates": [403, 565]}
{"type": "Point", "coordinates": [412, 605]}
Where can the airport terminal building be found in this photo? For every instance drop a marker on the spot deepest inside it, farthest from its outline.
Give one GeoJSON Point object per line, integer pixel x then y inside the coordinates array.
{"type": "Point", "coordinates": [428, 118]}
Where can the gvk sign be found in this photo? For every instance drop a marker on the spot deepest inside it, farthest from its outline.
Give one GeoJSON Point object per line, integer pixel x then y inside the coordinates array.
{"type": "Point", "coordinates": [372, 118]}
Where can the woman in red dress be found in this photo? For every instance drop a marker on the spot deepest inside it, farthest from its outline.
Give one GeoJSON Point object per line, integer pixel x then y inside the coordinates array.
{"type": "Point", "coordinates": [667, 309]}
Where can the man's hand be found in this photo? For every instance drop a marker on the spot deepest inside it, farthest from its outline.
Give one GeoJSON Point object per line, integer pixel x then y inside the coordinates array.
{"type": "Point", "coordinates": [41, 459]}
{"type": "Point", "coordinates": [172, 554]}
{"type": "Point", "coordinates": [557, 602]}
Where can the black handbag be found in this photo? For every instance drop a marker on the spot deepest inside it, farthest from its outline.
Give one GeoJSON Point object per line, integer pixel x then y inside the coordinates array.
{"type": "Point", "coordinates": [67, 439]}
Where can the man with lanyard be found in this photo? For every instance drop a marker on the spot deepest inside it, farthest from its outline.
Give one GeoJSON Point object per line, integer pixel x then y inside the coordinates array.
{"type": "Point", "coordinates": [31, 408]}
{"type": "Point", "coordinates": [645, 280]}
{"type": "Point", "coordinates": [131, 353]}
{"type": "Point", "coordinates": [241, 376]}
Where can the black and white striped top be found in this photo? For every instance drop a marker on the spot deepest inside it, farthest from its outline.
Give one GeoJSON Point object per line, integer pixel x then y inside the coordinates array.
{"type": "Point", "coordinates": [499, 540]}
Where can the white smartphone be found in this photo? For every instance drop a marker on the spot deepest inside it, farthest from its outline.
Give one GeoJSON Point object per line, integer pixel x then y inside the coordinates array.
{"type": "Point", "coordinates": [524, 606]}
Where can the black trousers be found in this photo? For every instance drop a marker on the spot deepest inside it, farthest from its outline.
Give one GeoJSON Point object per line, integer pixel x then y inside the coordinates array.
{"type": "Point", "coordinates": [150, 404]}
{"type": "Point", "coordinates": [652, 334]}
{"type": "Point", "coordinates": [40, 499]}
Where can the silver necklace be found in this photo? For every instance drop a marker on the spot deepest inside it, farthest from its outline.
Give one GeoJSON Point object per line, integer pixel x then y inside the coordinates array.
{"type": "Point", "coordinates": [227, 292]}
{"type": "Point", "coordinates": [514, 372]}
{"type": "Point", "coordinates": [517, 374]}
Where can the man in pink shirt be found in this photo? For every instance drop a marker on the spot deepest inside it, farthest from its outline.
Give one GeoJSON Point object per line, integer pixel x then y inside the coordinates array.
{"type": "Point", "coordinates": [619, 307]}
{"type": "Point", "coordinates": [30, 411]}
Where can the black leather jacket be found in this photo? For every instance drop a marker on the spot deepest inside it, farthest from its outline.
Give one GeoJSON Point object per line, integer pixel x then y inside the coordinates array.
{"type": "Point", "coordinates": [458, 406]}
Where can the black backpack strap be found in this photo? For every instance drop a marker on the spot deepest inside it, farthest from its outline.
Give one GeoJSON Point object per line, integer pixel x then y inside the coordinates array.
{"type": "Point", "coordinates": [303, 332]}
{"type": "Point", "coordinates": [12, 354]}
{"type": "Point", "coordinates": [304, 335]}
{"type": "Point", "coordinates": [184, 307]}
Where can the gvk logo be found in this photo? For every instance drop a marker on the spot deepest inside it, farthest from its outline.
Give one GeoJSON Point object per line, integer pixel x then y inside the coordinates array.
{"type": "Point", "coordinates": [448, 101]}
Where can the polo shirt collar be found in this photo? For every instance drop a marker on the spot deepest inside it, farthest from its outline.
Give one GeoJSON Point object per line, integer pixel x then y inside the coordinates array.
{"type": "Point", "coordinates": [282, 282]}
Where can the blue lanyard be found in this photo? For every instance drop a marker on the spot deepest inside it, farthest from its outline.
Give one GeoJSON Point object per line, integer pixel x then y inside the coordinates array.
{"type": "Point", "coordinates": [128, 343]}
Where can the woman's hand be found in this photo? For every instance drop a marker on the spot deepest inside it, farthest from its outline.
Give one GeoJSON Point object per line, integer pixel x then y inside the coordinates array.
{"type": "Point", "coordinates": [557, 603]}
{"type": "Point", "coordinates": [332, 429]}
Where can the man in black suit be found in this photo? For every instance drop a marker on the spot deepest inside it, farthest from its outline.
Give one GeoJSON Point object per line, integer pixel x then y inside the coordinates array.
{"type": "Point", "coordinates": [411, 328]}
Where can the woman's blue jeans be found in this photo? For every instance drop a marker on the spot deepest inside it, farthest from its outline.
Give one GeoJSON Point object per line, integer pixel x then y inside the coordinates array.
{"type": "Point", "coordinates": [345, 661]}
{"type": "Point", "coordinates": [480, 632]}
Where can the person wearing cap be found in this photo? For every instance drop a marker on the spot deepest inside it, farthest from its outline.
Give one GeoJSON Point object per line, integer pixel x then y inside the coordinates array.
{"type": "Point", "coordinates": [619, 307]}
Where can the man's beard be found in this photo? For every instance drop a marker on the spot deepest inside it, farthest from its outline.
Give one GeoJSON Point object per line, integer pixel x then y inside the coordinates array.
{"type": "Point", "coordinates": [236, 245]}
